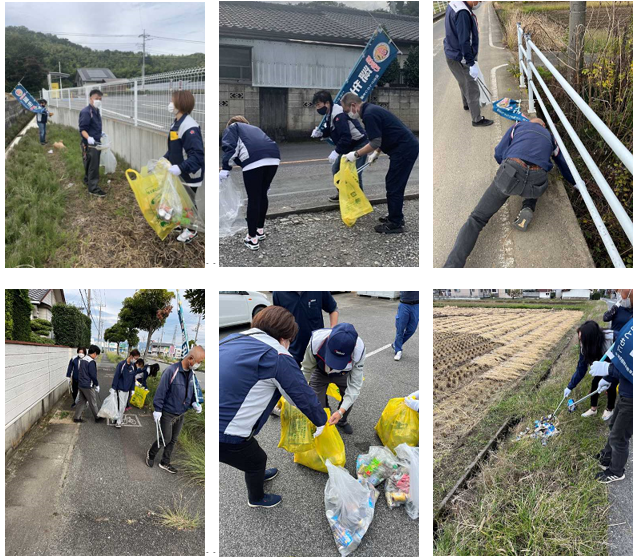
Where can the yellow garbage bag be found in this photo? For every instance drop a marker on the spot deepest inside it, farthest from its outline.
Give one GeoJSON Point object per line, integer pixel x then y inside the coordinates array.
{"type": "Point", "coordinates": [352, 200]}
{"type": "Point", "coordinates": [398, 424]}
{"type": "Point", "coordinates": [297, 431]}
{"type": "Point", "coordinates": [139, 396]}
{"type": "Point", "coordinates": [329, 445]}
{"type": "Point", "coordinates": [333, 391]}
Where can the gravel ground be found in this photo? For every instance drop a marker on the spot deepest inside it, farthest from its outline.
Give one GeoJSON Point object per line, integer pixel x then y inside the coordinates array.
{"type": "Point", "coordinates": [321, 239]}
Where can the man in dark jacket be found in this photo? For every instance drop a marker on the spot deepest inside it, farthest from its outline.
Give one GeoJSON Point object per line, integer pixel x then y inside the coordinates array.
{"type": "Point", "coordinates": [175, 395]}
{"type": "Point", "coordinates": [88, 384]}
{"type": "Point", "coordinates": [42, 119]}
{"type": "Point", "coordinates": [620, 313]}
{"type": "Point", "coordinates": [73, 372]}
{"type": "Point", "coordinates": [90, 125]}
{"type": "Point", "coordinates": [406, 321]}
{"type": "Point", "coordinates": [124, 383]}
{"type": "Point", "coordinates": [524, 155]}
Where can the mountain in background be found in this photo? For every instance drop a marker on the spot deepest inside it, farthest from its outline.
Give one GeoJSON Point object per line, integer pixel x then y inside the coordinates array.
{"type": "Point", "coordinates": [30, 55]}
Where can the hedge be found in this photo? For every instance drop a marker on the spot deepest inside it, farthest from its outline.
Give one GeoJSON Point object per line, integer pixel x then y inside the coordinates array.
{"type": "Point", "coordinates": [70, 326]}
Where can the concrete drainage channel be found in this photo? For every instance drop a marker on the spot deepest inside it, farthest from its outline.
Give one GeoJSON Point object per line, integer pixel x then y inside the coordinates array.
{"type": "Point", "coordinates": [493, 443]}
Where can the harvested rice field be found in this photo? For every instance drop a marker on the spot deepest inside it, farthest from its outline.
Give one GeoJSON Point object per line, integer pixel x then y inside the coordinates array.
{"type": "Point", "coordinates": [480, 352]}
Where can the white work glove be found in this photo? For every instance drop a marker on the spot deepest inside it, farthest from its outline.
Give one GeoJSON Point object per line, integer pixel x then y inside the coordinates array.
{"type": "Point", "coordinates": [567, 392]}
{"type": "Point", "coordinates": [351, 156]}
{"type": "Point", "coordinates": [474, 71]}
{"type": "Point", "coordinates": [91, 141]}
{"type": "Point", "coordinates": [223, 174]}
{"type": "Point", "coordinates": [174, 170]}
{"type": "Point", "coordinates": [371, 158]}
{"type": "Point", "coordinates": [111, 391]}
{"type": "Point", "coordinates": [333, 156]}
{"type": "Point", "coordinates": [319, 431]}
{"type": "Point", "coordinates": [97, 389]}
{"type": "Point", "coordinates": [156, 416]}
{"type": "Point", "coordinates": [197, 407]}
{"type": "Point", "coordinates": [599, 369]}
{"type": "Point", "coordinates": [603, 385]}
{"type": "Point", "coordinates": [412, 403]}
{"type": "Point", "coordinates": [414, 395]}
{"type": "Point", "coordinates": [316, 133]}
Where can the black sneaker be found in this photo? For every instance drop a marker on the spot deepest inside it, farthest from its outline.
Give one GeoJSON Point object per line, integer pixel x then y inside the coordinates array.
{"type": "Point", "coordinates": [99, 192]}
{"type": "Point", "coordinates": [389, 228]}
{"type": "Point", "coordinates": [385, 219]}
{"type": "Point", "coordinates": [270, 474]}
{"type": "Point", "coordinates": [465, 107]}
{"type": "Point", "coordinates": [78, 420]}
{"type": "Point", "coordinates": [525, 217]}
{"type": "Point", "coordinates": [334, 198]}
{"type": "Point", "coordinates": [346, 427]}
{"type": "Point", "coordinates": [252, 245]}
{"type": "Point", "coordinates": [482, 122]}
{"type": "Point", "coordinates": [169, 468]}
{"type": "Point", "coordinates": [605, 477]}
{"type": "Point", "coordinates": [150, 462]}
{"type": "Point", "coordinates": [261, 236]}
{"type": "Point", "coordinates": [268, 501]}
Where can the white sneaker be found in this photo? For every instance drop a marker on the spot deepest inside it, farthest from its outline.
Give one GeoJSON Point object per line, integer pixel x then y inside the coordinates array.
{"type": "Point", "coordinates": [276, 411]}
{"type": "Point", "coordinates": [398, 355]}
{"type": "Point", "coordinates": [589, 412]}
{"type": "Point", "coordinates": [607, 415]}
{"type": "Point", "coordinates": [252, 244]}
{"type": "Point", "coordinates": [186, 236]}
{"type": "Point", "coordinates": [261, 234]}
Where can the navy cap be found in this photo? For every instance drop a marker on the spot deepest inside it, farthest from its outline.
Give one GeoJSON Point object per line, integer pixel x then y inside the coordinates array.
{"type": "Point", "coordinates": [340, 346]}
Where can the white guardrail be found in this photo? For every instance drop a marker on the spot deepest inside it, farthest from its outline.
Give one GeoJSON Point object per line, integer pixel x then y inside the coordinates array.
{"type": "Point", "coordinates": [525, 58]}
{"type": "Point", "coordinates": [439, 7]}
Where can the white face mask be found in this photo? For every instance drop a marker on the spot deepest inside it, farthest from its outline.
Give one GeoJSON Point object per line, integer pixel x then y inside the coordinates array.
{"type": "Point", "coordinates": [352, 115]}
{"type": "Point", "coordinates": [196, 366]}
{"type": "Point", "coordinates": [171, 107]}
{"type": "Point", "coordinates": [81, 355]}
{"type": "Point", "coordinates": [97, 103]}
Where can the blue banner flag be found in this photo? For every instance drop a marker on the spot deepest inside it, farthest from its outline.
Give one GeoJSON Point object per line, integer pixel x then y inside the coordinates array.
{"type": "Point", "coordinates": [621, 353]}
{"type": "Point", "coordinates": [370, 67]}
{"type": "Point", "coordinates": [184, 338]}
{"type": "Point", "coordinates": [27, 100]}
{"type": "Point", "coordinates": [509, 109]}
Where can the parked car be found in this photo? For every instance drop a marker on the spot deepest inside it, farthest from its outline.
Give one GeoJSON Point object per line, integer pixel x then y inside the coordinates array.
{"type": "Point", "coordinates": [237, 308]}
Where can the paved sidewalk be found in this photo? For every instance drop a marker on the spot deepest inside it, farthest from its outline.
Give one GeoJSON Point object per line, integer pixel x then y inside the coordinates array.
{"type": "Point", "coordinates": [620, 514]}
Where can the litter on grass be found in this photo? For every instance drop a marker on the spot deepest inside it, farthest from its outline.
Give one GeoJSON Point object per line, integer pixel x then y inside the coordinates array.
{"type": "Point", "coordinates": [542, 429]}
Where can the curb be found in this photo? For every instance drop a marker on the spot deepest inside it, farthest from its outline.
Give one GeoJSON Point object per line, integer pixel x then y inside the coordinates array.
{"type": "Point", "coordinates": [439, 16]}
{"type": "Point", "coordinates": [327, 208]}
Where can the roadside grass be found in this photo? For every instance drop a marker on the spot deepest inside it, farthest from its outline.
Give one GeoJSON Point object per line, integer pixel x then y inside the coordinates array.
{"type": "Point", "coordinates": [113, 357]}
{"type": "Point", "coordinates": [530, 499]}
{"type": "Point", "coordinates": [16, 127]}
{"type": "Point", "coordinates": [179, 517]}
{"type": "Point", "coordinates": [513, 305]}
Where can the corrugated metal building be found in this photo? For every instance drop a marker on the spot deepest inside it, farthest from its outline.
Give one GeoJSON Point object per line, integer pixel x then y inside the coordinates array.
{"type": "Point", "coordinates": [273, 57]}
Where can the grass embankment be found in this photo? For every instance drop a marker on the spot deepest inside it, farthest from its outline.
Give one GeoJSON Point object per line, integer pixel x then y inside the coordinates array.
{"type": "Point", "coordinates": [16, 127]}
{"type": "Point", "coordinates": [52, 221]}
{"type": "Point", "coordinates": [528, 499]}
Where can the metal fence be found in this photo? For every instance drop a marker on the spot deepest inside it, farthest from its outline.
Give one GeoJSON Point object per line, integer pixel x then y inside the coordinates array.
{"type": "Point", "coordinates": [140, 102]}
{"type": "Point", "coordinates": [440, 7]}
{"type": "Point", "coordinates": [528, 69]}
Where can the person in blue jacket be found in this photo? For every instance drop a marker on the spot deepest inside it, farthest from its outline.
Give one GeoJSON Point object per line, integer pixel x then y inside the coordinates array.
{"type": "Point", "coordinates": [406, 321]}
{"type": "Point", "coordinates": [90, 126]}
{"type": "Point", "coordinates": [387, 133]}
{"type": "Point", "coordinates": [185, 149]}
{"type": "Point", "coordinates": [347, 134]}
{"type": "Point", "coordinates": [73, 371]}
{"type": "Point", "coordinates": [174, 397]}
{"type": "Point", "coordinates": [524, 155]}
{"type": "Point", "coordinates": [461, 44]}
{"type": "Point", "coordinates": [124, 383]}
{"type": "Point", "coordinates": [88, 384]}
{"type": "Point", "coordinates": [259, 157]}
{"type": "Point", "coordinates": [42, 119]}
{"type": "Point", "coordinates": [620, 313]}
{"type": "Point", "coordinates": [255, 370]}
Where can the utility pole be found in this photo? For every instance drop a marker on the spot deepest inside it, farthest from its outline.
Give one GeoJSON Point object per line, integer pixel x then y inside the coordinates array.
{"type": "Point", "coordinates": [60, 71]}
{"type": "Point", "coordinates": [144, 37]}
{"type": "Point", "coordinates": [197, 329]}
{"type": "Point", "coordinates": [174, 340]}
{"type": "Point", "coordinates": [576, 26]}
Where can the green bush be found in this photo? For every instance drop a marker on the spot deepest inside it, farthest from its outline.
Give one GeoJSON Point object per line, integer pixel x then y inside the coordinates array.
{"type": "Point", "coordinates": [411, 68]}
{"type": "Point", "coordinates": [70, 326]}
{"type": "Point", "coordinates": [8, 314]}
{"type": "Point", "coordinates": [18, 306]}
{"type": "Point", "coordinates": [41, 327]}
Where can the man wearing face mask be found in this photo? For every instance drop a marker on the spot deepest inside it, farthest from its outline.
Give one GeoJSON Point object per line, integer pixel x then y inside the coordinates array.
{"type": "Point", "coordinates": [389, 134]}
{"type": "Point", "coordinates": [124, 383]}
{"type": "Point", "coordinates": [90, 126]}
{"type": "Point", "coordinates": [175, 395]}
{"type": "Point", "coordinates": [620, 313]}
{"type": "Point", "coordinates": [88, 385]}
{"type": "Point", "coordinates": [42, 120]}
{"type": "Point", "coordinates": [347, 134]}
{"type": "Point", "coordinates": [73, 372]}
{"type": "Point", "coordinates": [336, 356]}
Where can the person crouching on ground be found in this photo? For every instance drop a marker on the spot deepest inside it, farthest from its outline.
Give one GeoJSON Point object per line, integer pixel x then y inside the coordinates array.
{"type": "Point", "coordinates": [175, 395]}
{"type": "Point", "coordinates": [185, 149]}
{"type": "Point", "coordinates": [336, 356]}
{"type": "Point", "coordinates": [255, 369]}
{"type": "Point", "coordinates": [88, 385]}
{"type": "Point", "coordinates": [259, 157]}
{"type": "Point", "coordinates": [124, 383]}
{"type": "Point", "coordinates": [73, 372]}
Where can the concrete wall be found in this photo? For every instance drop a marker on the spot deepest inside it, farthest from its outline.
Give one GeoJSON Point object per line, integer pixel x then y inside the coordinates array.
{"type": "Point", "coordinates": [34, 379]}
{"type": "Point", "coordinates": [12, 110]}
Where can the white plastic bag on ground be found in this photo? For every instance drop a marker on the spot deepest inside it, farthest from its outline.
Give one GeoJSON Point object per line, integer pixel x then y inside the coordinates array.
{"type": "Point", "coordinates": [109, 407]}
{"type": "Point", "coordinates": [107, 158]}
{"type": "Point", "coordinates": [411, 456]}
{"type": "Point", "coordinates": [349, 507]}
{"type": "Point", "coordinates": [231, 204]}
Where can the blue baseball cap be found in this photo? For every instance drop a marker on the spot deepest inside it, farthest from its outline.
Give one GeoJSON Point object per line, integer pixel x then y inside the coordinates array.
{"type": "Point", "coordinates": [340, 346]}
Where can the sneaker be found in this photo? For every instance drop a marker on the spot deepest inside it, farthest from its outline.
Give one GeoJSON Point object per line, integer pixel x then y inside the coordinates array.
{"type": "Point", "coordinates": [78, 420]}
{"type": "Point", "coordinates": [178, 228]}
{"type": "Point", "coordinates": [261, 236]}
{"type": "Point", "coordinates": [398, 355]}
{"type": "Point", "coordinates": [250, 244]}
{"type": "Point", "coordinates": [150, 462]}
{"type": "Point", "coordinates": [389, 228]}
{"type": "Point", "coordinates": [73, 405]}
{"type": "Point", "coordinates": [118, 425]}
{"type": "Point", "coordinates": [334, 198]}
{"type": "Point", "coordinates": [465, 107]}
{"type": "Point", "coordinates": [385, 219]}
{"type": "Point", "coordinates": [276, 411]}
{"type": "Point", "coordinates": [268, 501]}
{"type": "Point", "coordinates": [186, 236]}
{"type": "Point", "coordinates": [98, 420]}
{"type": "Point", "coordinates": [346, 427]}
{"type": "Point", "coordinates": [270, 474]}
{"type": "Point", "coordinates": [482, 122]}
{"type": "Point", "coordinates": [607, 415]}
{"type": "Point", "coordinates": [99, 193]}
{"type": "Point", "coordinates": [606, 477]}
{"type": "Point", "coordinates": [525, 217]}
{"type": "Point", "coordinates": [589, 412]}
{"type": "Point", "coordinates": [169, 468]}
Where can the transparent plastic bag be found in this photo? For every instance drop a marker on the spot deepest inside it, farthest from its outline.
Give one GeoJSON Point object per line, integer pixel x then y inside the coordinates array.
{"type": "Point", "coordinates": [376, 465]}
{"type": "Point", "coordinates": [349, 508]}
{"type": "Point", "coordinates": [231, 204]}
{"type": "Point", "coordinates": [109, 407]}
{"type": "Point", "coordinates": [108, 161]}
{"type": "Point", "coordinates": [410, 456]}
{"type": "Point", "coordinates": [397, 487]}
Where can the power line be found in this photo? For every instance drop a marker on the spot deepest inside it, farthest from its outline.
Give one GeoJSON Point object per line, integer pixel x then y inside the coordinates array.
{"type": "Point", "coordinates": [180, 40]}
{"type": "Point", "coordinates": [85, 34]}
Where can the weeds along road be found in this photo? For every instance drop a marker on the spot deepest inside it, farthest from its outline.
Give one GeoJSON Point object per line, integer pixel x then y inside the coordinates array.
{"type": "Point", "coordinates": [298, 527]}
{"type": "Point", "coordinates": [464, 167]}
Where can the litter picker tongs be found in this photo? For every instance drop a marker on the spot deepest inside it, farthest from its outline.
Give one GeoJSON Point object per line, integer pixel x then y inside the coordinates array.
{"type": "Point", "coordinates": [158, 430]}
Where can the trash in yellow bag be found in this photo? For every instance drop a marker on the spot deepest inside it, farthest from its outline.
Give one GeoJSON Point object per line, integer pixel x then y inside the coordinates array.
{"type": "Point", "coordinates": [398, 424]}
{"type": "Point", "coordinates": [163, 199]}
{"type": "Point", "coordinates": [139, 396]}
{"type": "Point", "coordinates": [297, 431]}
{"type": "Point", "coordinates": [333, 391]}
{"type": "Point", "coordinates": [329, 445]}
{"type": "Point", "coordinates": [280, 402]}
{"type": "Point", "coordinates": [352, 200]}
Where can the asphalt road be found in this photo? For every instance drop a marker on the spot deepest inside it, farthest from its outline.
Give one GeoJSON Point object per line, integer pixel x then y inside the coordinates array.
{"type": "Point", "coordinates": [620, 513]}
{"type": "Point", "coordinates": [464, 167]}
{"type": "Point", "coordinates": [298, 526]}
{"type": "Point", "coordinates": [304, 178]}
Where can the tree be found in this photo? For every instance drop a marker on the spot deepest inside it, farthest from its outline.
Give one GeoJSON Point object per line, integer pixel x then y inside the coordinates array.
{"type": "Point", "coordinates": [392, 74]}
{"type": "Point", "coordinates": [406, 8]}
{"type": "Point", "coordinates": [132, 338]}
{"type": "Point", "coordinates": [515, 293]}
{"type": "Point", "coordinates": [18, 307]}
{"type": "Point", "coordinates": [70, 326]}
{"type": "Point", "coordinates": [117, 334]}
{"type": "Point", "coordinates": [197, 301]}
{"type": "Point", "coordinates": [41, 327]}
{"type": "Point", "coordinates": [147, 311]}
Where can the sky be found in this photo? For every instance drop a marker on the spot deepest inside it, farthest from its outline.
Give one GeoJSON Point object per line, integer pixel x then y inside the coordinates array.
{"type": "Point", "coordinates": [113, 303]}
{"type": "Point", "coordinates": [176, 20]}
